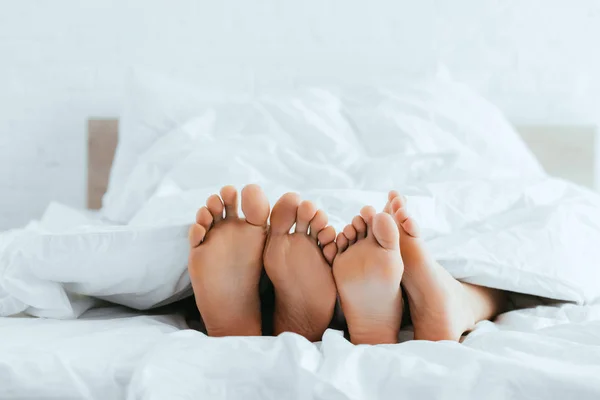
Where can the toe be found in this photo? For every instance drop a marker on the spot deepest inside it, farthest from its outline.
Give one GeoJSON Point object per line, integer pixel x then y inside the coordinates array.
{"type": "Point", "coordinates": [386, 232]}
{"type": "Point", "coordinates": [397, 203]}
{"type": "Point", "coordinates": [255, 205]}
{"type": "Point", "coordinates": [341, 242]}
{"type": "Point", "coordinates": [326, 236]}
{"type": "Point", "coordinates": [409, 225]}
{"type": "Point", "coordinates": [350, 234]}
{"type": "Point", "coordinates": [403, 220]}
{"type": "Point", "coordinates": [204, 218]}
{"type": "Point", "coordinates": [215, 206]}
{"type": "Point", "coordinates": [367, 213]}
{"type": "Point", "coordinates": [284, 213]}
{"type": "Point", "coordinates": [400, 214]}
{"type": "Point", "coordinates": [388, 206]}
{"type": "Point", "coordinates": [360, 226]}
{"type": "Point", "coordinates": [196, 235]}
{"type": "Point", "coordinates": [306, 212]}
{"type": "Point", "coordinates": [318, 223]}
{"type": "Point", "coordinates": [329, 252]}
{"type": "Point", "coordinates": [230, 198]}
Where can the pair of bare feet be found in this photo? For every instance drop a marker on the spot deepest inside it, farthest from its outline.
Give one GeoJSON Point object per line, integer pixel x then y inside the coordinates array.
{"type": "Point", "coordinates": [368, 265]}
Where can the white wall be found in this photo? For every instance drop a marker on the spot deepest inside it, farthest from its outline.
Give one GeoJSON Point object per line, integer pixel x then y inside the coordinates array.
{"type": "Point", "coordinates": [63, 61]}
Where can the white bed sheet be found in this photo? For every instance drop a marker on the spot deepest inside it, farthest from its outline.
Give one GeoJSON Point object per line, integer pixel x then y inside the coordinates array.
{"type": "Point", "coordinates": [548, 352]}
{"type": "Point", "coordinates": [92, 357]}
{"type": "Point", "coordinates": [545, 353]}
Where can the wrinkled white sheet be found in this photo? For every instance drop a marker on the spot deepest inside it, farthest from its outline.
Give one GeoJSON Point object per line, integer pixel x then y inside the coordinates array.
{"type": "Point", "coordinates": [549, 352]}
{"type": "Point", "coordinates": [92, 357]}
{"type": "Point", "coordinates": [553, 354]}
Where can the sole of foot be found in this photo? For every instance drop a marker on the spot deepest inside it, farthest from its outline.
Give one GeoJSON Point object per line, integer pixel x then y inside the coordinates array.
{"type": "Point", "coordinates": [225, 261]}
{"type": "Point", "coordinates": [299, 266]}
{"type": "Point", "coordinates": [368, 272]}
{"type": "Point", "coordinates": [439, 305]}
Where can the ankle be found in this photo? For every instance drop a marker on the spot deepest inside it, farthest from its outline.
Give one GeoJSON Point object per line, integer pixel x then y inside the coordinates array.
{"type": "Point", "coordinates": [485, 303]}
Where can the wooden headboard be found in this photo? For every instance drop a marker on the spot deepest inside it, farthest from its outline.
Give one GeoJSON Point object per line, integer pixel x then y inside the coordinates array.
{"type": "Point", "coordinates": [103, 135]}
{"type": "Point", "coordinates": [568, 152]}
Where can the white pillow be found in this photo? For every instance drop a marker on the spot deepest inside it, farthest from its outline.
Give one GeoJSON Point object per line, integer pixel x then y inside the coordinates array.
{"type": "Point", "coordinates": [163, 116]}
{"type": "Point", "coordinates": [440, 106]}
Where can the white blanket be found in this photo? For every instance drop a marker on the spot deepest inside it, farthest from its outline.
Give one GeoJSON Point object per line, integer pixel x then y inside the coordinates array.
{"type": "Point", "coordinates": [490, 215]}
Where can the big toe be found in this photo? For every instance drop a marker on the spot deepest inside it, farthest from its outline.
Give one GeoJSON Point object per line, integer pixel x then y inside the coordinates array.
{"type": "Point", "coordinates": [386, 232]}
{"type": "Point", "coordinates": [284, 213]}
{"type": "Point", "coordinates": [255, 205]}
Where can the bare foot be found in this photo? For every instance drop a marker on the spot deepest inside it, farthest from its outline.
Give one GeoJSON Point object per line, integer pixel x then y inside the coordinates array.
{"type": "Point", "coordinates": [368, 271]}
{"type": "Point", "coordinates": [299, 266]}
{"type": "Point", "coordinates": [225, 261]}
{"type": "Point", "coordinates": [439, 305]}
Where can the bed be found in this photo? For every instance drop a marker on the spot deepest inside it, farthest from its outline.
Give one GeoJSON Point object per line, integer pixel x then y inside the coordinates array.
{"type": "Point", "coordinates": [89, 290]}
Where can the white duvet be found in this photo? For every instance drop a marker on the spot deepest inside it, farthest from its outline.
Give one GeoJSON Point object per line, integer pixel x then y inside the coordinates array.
{"type": "Point", "coordinates": [489, 213]}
